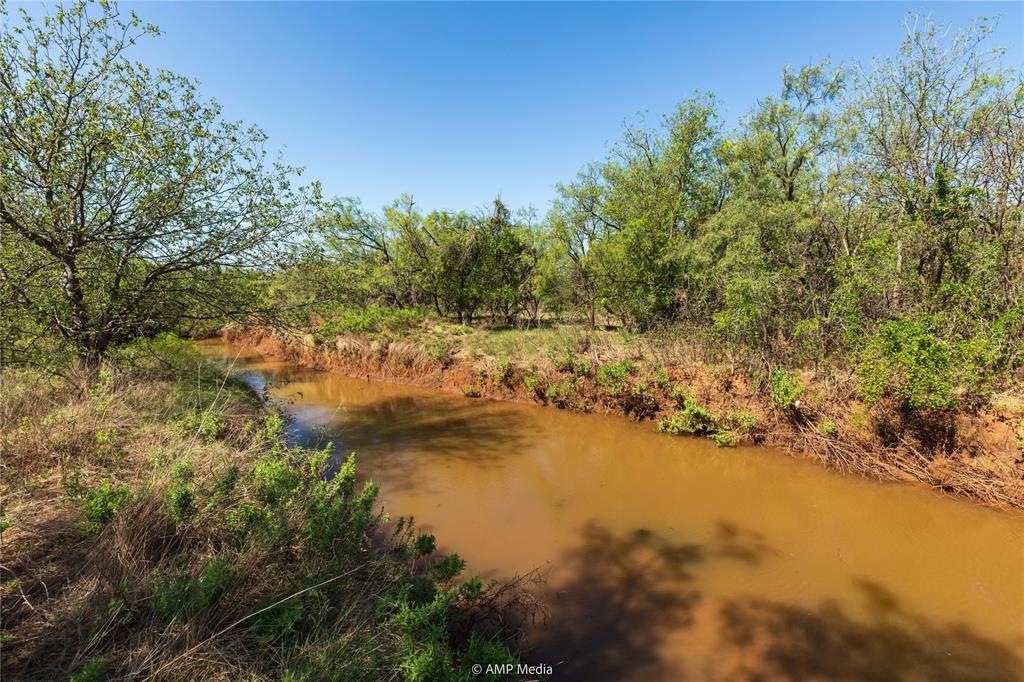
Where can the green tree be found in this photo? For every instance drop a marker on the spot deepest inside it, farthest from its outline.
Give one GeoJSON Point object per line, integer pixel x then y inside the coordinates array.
{"type": "Point", "coordinates": [127, 202]}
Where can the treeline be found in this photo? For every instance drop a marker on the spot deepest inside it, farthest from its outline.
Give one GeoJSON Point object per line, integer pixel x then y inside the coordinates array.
{"type": "Point", "coordinates": [871, 212]}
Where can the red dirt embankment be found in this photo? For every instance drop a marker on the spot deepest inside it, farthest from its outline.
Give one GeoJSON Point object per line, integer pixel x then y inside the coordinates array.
{"type": "Point", "coordinates": [980, 456]}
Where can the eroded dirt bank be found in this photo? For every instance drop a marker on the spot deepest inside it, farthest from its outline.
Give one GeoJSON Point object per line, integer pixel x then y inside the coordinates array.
{"type": "Point", "coordinates": [978, 456]}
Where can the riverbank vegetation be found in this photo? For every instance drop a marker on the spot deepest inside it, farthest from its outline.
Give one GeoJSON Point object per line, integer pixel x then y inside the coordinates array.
{"type": "Point", "coordinates": [850, 255]}
{"type": "Point", "coordinates": [155, 525]}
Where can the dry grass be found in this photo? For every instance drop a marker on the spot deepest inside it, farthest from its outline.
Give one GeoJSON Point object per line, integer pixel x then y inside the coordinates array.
{"type": "Point", "coordinates": [71, 594]}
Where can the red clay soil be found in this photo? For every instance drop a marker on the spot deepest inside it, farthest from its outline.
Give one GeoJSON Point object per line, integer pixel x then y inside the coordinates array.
{"type": "Point", "coordinates": [979, 456]}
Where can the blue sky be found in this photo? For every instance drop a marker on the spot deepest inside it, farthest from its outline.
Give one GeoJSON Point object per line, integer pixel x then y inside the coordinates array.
{"type": "Point", "coordinates": [457, 103]}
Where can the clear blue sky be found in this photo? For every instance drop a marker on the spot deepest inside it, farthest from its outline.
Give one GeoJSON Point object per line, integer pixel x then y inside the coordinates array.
{"type": "Point", "coordinates": [456, 103]}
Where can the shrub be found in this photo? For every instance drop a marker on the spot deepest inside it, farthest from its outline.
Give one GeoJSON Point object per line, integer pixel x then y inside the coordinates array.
{"type": "Point", "coordinates": [177, 596]}
{"type": "Point", "coordinates": [281, 621]}
{"type": "Point", "coordinates": [570, 361]}
{"type": "Point", "coordinates": [101, 505]}
{"type": "Point", "coordinates": [908, 360]}
{"type": "Point", "coordinates": [533, 384]}
{"type": "Point", "coordinates": [613, 376]}
{"type": "Point", "coordinates": [181, 502]}
{"type": "Point", "coordinates": [447, 568]}
{"type": "Point", "coordinates": [639, 401]}
{"type": "Point", "coordinates": [336, 519]}
{"type": "Point", "coordinates": [274, 478]}
{"type": "Point", "coordinates": [561, 393]}
{"type": "Point", "coordinates": [181, 499]}
{"type": "Point", "coordinates": [785, 389]}
{"type": "Point", "coordinates": [206, 425]}
{"type": "Point", "coordinates": [690, 418]}
{"type": "Point", "coordinates": [742, 420]}
{"type": "Point", "coordinates": [726, 438]}
{"type": "Point", "coordinates": [369, 320]}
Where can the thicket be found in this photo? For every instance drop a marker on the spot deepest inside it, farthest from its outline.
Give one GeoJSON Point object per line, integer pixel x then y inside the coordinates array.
{"type": "Point", "coordinates": [138, 542]}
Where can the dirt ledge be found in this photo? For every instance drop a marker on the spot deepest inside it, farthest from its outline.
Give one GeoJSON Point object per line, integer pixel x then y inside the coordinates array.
{"type": "Point", "coordinates": [978, 456]}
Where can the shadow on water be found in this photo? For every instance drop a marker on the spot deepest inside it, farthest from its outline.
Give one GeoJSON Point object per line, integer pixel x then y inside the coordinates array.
{"type": "Point", "coordinates": [631, 592]}
{"type": "Point", "coordinates": [396, 436]}
{"type": "Point", "coordinates": [781, 642]}
{"type": "Point", "coordinates": [628, 592]}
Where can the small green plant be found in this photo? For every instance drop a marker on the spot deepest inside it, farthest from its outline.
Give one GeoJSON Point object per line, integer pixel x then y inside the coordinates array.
{"type": "Point", "coordinates": [280, 621]}
{"type": "Point", "coordinates": [568, 360]}
{"type": "Point", "coordinates": [176, 596]}
{"type": "Point", "coordinates": [93, 670]}
{"type": "Point", "coordinates": [561, 393]}
{"type": "Point", "coordinates": [447, 568]}
{"type": "Point", "coordinates": [829, 428]}
{"type": "Point", "coordinates": [224, 483]}
{"type": "Point", "coordinates": [273, 427]}
{"type": "Point", "coordinates": [742, 420]}
{"type": "Point", "coordinates": [690, 418]}
{"type": "Point", "coordinates": [274, 478]}
{"type": "Point", "coordinates": [207, 426]}
{"type": "Point", "coordinates": [107, 443]}
{"type": "Point", "coordinates": [160, 458]}
{"type": "Point", "coordinates": [533, 384]}
{"type": "Point", "coordinates": [101, 504]}
{"type": "Point", "coordinates": [785, 389]}
{"type": "Point", "coordinates": [470, 392]}
{"type": "Point", "coordinates": [181, 502]}
{"type": "Point", "coordinates": [613, 376]}
{"type": "Point", "coordinates": [5, 523]}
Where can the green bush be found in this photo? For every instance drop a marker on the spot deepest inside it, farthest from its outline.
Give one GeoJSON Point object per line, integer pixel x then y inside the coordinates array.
{"type": "Point", "coordinates": [613, 376]}
{"type": "Point", "coordinates": [725, 438]}
{"type": "Point", "coordinates": [690, 418]}
{"type": "Point", "coordinates": [178, 596]}
{"type": "Point", "coordinates": [208, 426]}
{"type": "Point", "coordinates": [337, 518]}
{"type": "Point", "coordinates": [275, 478]}
{"type": "Point", "coordinates": [533, 383]}
{"type": "Point", "coordinates": [101, 505]}
{"type": "Point", "coordinates": [369, 320]}
{"type": "Point", "coordinates": [181, 498]}
{"type": "Point", "coordinates": [562, 393]}
{"type": "Point", "coordinates": [181, 502]}
{"type": "Point", "coordinates": [785, 389]}
{"type": "Point", "coordinates": [907, 360]}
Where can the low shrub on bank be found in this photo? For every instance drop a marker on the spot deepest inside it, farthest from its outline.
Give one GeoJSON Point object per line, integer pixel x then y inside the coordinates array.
{"type": "Point", "coordinates": [211, 554]}
{"type": "Point", "coordinates": [369, 321]}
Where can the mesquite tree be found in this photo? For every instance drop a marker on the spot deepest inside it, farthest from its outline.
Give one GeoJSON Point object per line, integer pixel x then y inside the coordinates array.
{"type": "Point", "coordinates": [127, 202]}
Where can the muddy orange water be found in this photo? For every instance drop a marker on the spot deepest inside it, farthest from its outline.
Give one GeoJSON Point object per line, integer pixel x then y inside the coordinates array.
{"type": "Point", "coordinates": [667, 558]}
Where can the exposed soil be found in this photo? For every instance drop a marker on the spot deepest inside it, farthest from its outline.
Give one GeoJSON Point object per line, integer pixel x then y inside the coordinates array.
{"type": "Point", "coordinates": [979, 456]}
